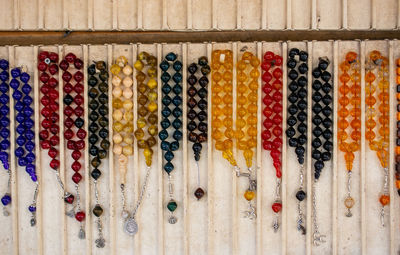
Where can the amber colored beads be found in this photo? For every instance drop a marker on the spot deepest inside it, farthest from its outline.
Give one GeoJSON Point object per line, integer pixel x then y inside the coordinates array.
{"type": "Point", "coordinates": [272, 111]}
{"type": "Point", "coordinates": [247, 96]}
{"type": "Point", "coordinates": [397, 169]}
{"type": "Point", "coordinates": [349, 117]}
{"type": "Point", "coordinates": [378, 81]}
{"type": "Point", "coordinates": [222, 98]}
{"type": "Point", "coordinates": [122, 112]}
{"type": "Point", "coordinates": [147, 104]}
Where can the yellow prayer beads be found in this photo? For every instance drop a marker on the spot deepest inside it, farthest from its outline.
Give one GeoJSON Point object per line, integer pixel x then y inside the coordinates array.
{"type": "Point", "coordinates": [147, 103]}
{"type": "Point", "coordinates": [247, 96]}
{"type": "Point", "coordinates": [122, 108]}
{"type": "Point", "coordinates": [222, 124]}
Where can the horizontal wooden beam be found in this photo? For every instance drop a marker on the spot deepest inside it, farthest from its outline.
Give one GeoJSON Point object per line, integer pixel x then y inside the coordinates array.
{"type": "Point", "coordinates": [119, 37]}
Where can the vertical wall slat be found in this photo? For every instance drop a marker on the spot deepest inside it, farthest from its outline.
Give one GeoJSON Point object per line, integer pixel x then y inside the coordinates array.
{"type": "Point", "coordinates": [62, 153]}
{"type": "Point", "coordinates": [284, 199]}
{"type": "Point", "coordinates": [210, 168]}
{"type": "Point", "coordinates": [362, 153]}
{"type": "Point", "coordinates": [136, 152]}
{"type": "Point", "coordinates": [373, 14]}
{"type": "Point", "coordinates": [164, 25]}
{"type": "Point", "coordinates": [344, 14]}
{"type": "Point", "coordinates": [160, 165]}
{"type": "Point", "coordinates": [139, 14]}
{"type": "Point", "coordinates": [238, 14]}
{"type": "Point", "coordinates": [288, 14]}
{"type": "Point", "coordinates": [189, 15]}
{"type": "Point", "coordinates": [65, 12]}
{"type": "Point", "coordinates": [16, 15]}
{"type": "Point", "coordinates": [90, 16]}
{"type": "Point", "coordinates": [309, 172]}
{"type": "Point", "coordinates": [115, 23]}
{"type": "Point", "coordinates": [235, 225]}
{"type": "Point", "coordinates": [40, 14]}
{"type": "Point", "coordinates": [39, 203]}
{"type": "Point", "coordinates": [13, 169]}
{"type": "Point", "coordinates": [335, 148]}
{"type": "Point", "coordinates": [88, 194]}
{"type": "Point", "coordinates": [314, 21]}
{"type": "Point", "coordinates": [264, 17]}
{"type": "Point", "coordinates": [113, 201]}
{"type": "Point", "coordinates": [214, 14]}
{"type": "Point", "coordinates": [392, 114]}
{"type": "Point", "coordinates": [186, 215]}
{"type": "Point", "coordinates": [259, 169]}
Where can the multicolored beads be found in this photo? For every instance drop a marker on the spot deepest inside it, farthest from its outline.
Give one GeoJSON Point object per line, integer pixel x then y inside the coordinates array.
{"type": "Point", "coordinates": [297, 120]}
{"type": "Point", "coordinates": [5, 130]}
{"type": "Point", "coordinates": [175, 102]}
{"type": "Point", "coordinates": [25, 137]}
{"type": "Point", "coordinates": [272, 111]}
{"type": "Point", "coordinates": [197, 112]}
{"type": "Point", "coordinates": [74, 132]}
{"type": "Point", "coordinates": [98, 133]}
{"type": "Point", "coordinates": [378, 142]}
{"type": "Point", "coordinates": [349, 94]}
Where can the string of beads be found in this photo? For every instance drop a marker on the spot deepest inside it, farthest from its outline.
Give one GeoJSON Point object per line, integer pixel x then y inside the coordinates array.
{"type": "Point", "coordinates": [297, 120]}
{"type": "Point", "coordinates": [322, 131]}
{"type": "Point", "coordinates": [49, 135]}
{"type": "Point", "coordinates": [197, 113]}
{"type": "Point", "coordinates": [5, 131]}
{"type": "Point", "coordinates": [98, 133]}
{"type": "Point", "coordinates": [25, 139]}
{"type": "Point", "coordinates": [397, 157]}
{"type": "Point", "coordinates": [171, 60]}
{"type": "Point", "coordinates": [272, 111]}
{"type": "Point", "coordinates": [378, 142]}
{"type": "Point", "coordinates": [349, 94]}
{"type": "Point", "coordinates": [122, 119]}
{"type": "Point", "coordinates": [74, 132]}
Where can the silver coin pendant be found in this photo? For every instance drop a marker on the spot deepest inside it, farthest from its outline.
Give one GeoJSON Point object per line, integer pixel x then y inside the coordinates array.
{"type": "Point", "coordinates": [131, 227]}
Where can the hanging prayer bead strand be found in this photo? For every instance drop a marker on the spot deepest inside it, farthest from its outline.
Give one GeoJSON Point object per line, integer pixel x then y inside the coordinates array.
{"type": "Point", "coordinates": [297, 120]}
{"type": "Point", "coordinates": [123, 122]}
{"type": "Point", "coordinates": [98, 150]}
{"type": "Point", "coordinates": [272, 134]}
{"type": "Point", "coordinates": [397, 169]}
{"type": "Point", "coordinates": [378, 142]}
{"type": "Point", "coordinates": [349, 94]}
{"type": "Point", "coordinates": [25, 139]}
{"type": "Point", "coordinates": [171, 61]}
{"type": "Point", "coordinates": [197, 115]}
{"type": "Point", "coordinates": [74, 122]}
{"type": "Point", "coordinates": [49, 134]}
{"type": "Point", "coordinates": [246, 119]}
{"type": "Point", "coordinates": [5, 131]}
{"type": "Point", "coordinates": [322, 145]}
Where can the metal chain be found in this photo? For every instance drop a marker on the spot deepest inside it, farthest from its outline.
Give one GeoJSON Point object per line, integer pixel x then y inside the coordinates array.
{"type": "Point", "coordinates": [142, 192]}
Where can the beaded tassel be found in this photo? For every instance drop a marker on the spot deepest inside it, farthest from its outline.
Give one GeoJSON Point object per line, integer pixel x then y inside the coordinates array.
{"type": "Point", "coordinates": [297, 120]}
{"type": "Point", "coordinates": [272, 134]}
{"type": "Point", "coordinates": [246, 119]}
{"type": "Point", "coordinates": [98, 127]}
{"type": "Point", "coordinates": [49, 135]}
{"type": "Point", "coordinates": [397, 175]}
{"type": "Point", "coordinates": [350, 94]}
{"type": "Point", "coordinates": [25, 139]}
{"type": "Point", "coordinates": [73, 111]}
{"type": "Point", "coordinates": [170, 146]}
{"type": "Point", "coordinates": [322, 131]}
{"type": "Point", "coordinates": [198, 111]}
{"type": "Point", "coordinates": [5, 131]}
{"type": "Point", "coordinates": [122, 119]}
{"type": "Point", "coordinates": [379, 143]}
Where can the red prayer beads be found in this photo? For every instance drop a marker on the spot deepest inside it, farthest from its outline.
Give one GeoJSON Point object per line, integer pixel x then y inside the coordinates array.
{"type": "Point", "coordinates": [74, 133]}
{"type": "Point", "coordinates": [272, 133]}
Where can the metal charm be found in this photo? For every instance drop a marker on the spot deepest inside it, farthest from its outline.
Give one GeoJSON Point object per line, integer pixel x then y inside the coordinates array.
{"type": "Point", "coordinates": [251, 213]}
{"type": "Point", "coordinates": [172, 219]}
{"type": "Point", "coordinates": [131, 227]}
{"type": "Point", "coordinates": [100, 242]}
{"type": "Point", "coordinates": [318, 238]}
{"type": "Point", "coordinates": [81, 234]}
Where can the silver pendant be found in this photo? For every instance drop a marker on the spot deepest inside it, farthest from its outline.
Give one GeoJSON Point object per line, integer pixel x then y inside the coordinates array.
{"type": "Point", "coordinates": [172, 219]}
{"type": "Point", "coordinates": [81, 234]}
{"type": "Point", "coordinates": [131, 227]}
{"type": "Point", "coordinates": [100, 242]}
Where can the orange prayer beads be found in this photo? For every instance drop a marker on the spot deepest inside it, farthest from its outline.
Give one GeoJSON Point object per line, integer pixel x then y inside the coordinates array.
{"type": "Point", "coordinates": [247, 96]}
{"type": "Point", "coordinates": [349, 94]}
{"type": "Point", "coordinates": [378, 81]}
{"type": "Point", "coordinates": [222, 122]}
{"type": "Point", "coordinates": [397, 168]}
